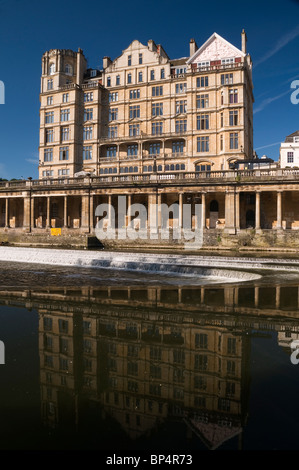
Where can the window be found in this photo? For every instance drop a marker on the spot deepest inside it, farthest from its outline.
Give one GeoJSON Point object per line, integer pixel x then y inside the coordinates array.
{"type": "Point", "coordinates": [231, 367]}
{"type": "Point", "coordinates": [132, 150]}
{"type": "Point", "coordinates": [88, 97]}
{"type": "Point", "coordinates": [65, 115]}
{"type": "Point", "coordinates": [155, 389]}
{"type": "Point", "coordinates": [86, 327]}
{"type": "Point", "coordinates": [152, 75]}
{"type": "Point", "coordinates": [290, 157]}
{"type": "Point", "coordinates": [200, 382]}
{"type": "Point", "coordinates": [129, 78]}
{"type": "Point", "coordinates": [201, 340]}
{"type": "Point", "coordinates": [175, 167]}
{"type": "Point", "coordinates": [157, 128]}
{"type": "Point", "coordinates": [227, 79]}
{"type": "Point", "coordinates": [201, 362]}
{"type": "Point", "coordinates": [162, 74]}
{"type": "Point", "coordinates": [49, 100]}
{"type": "Point", "coordinates": [221, 119]}
{"type": "Point", "coordinates": [133, 350]}
{"type": "Point", "coordinates": [68, 69]}
{"type": "Point", "coordinates": [132, 386]}
{"type": "Point", "coordinates": [202, 101]}
{"type": "Point", "coordinates": [63, 345]}
{"type": "Point", "coordinates": [230, 389]}
{"type": "Point", "coordinates": [233, 118]}
{"type": "Point", "coordinates": [181, 126]}
{"type": "Point", "coordinates": [202, 82]}
{"type": "Point", "coordinates": [203, 64]}
{"type": "Point", "coordinates": [132, 368]}
{"type": "Point", "coordinates": [108, 81]}
{"type": "Point", "coordinates": [157, 109]}
{"type": "Point", "coordinates": [140, 59]}
{"type": "Point", "coordinates": [117, 81]}
{"type": "Point", "coordinates": [231, 345]}
{"type": "Point", "coordinates": [50, 84]}
{"type": "Point", "coordinates": [63, 153]}
{"type": "Point", "coordinates": [63, 172]}
{"type": "Point", "coordinates": [63, 325]}
{"type": "Point", "coordinates": [49, 361]}
{"type": "Point", "coordinates": [203, 144]}
{"type": "Point", "coordinates": [230, 60]}
{"type": "Point", "coordinates": [113, 114]}
{"type": "Point", "coordinates": [223, 404]}
{"type": "Point", "coordinates": [113, 97]}
{"type": "Point", "coordinates": [87, 133]}
{"type": "Point", "coordinates": [65, 133]}
{"type": "Point", "coordinates": [155, 353]}
{"type": "Point", "coordinates": [154, 149]}
{"type": "Point", "coordinates": [181, 106]}
{"type": "Point", "coordinates": [233, 96]}
{"type": "Point", "coordinates": [134, 112]}
{"type": "Point", "coordinates": [180, 70]}
{"type": "Point", "coordinates": [49, 135]}
{"type": "Point", "coordinates": [112, 132]}
{"type": "Point", "coordinates": [181, 88]}
{"type": "Point", "coordinates": [49, 117]}
{"type": "Point", "coordinates": [203, 122]}
{"type": "Point", "coordinates": [134, 130]}
{"type": "Point", "coordinates": [155, 371]}
{"type": "Point", "coordinates": [233, 140]}
{"type": "Point", "coordinates": [178, 146]}
{"type": "Point", "coordinates": [140, 77]}
{"type": "Point", "coordinates": [157, 91]}
{"type": "Point", "coordinates": [221, 142]}
{"type": "Point", "coordinates": [203, 168]}
{"type": "Point", "coordinates": [129, 60]}
{"type": "Point", "coordinates": [134, 94]}
{"type": "Point", "coordinates": [52, 69]}
{"type": "Point", "coordinates": [48, 173]}
{"type": "Point", "coordinates": [179, 356]}
{"type": "Point", "coordinates": [111, 151]}
{"type": "Point", "coordinates": [88, 114]}
{"type": "Point", "coordinates": [47, 323]}
{"type": "Point", "coordinates": [87, 152]}
{"type": "Point", "coordinates": [65, 98]}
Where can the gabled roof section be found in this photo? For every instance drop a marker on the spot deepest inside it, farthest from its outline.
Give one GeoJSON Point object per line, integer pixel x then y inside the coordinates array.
{"type": "Point", "coordinates": [289, 138]}
{"type": "Point", "coordinates": [215, 48]}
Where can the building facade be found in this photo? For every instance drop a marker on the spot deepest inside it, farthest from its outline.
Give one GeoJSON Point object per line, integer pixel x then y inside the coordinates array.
{"type": "Point", "coordinates": [144, 113]}
{"type": "Point", "coordinates": [289, 151]}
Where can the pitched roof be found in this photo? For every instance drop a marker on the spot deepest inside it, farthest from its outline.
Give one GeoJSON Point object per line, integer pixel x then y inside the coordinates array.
{"type": "Point", "coordinates": [215, 47]}
{"type": "Point", "coordinates": [289, 138]}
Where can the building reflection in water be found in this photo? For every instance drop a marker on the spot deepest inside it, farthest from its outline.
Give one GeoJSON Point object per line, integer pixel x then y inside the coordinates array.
{"type": "Point", "coordinates": [144, 356]}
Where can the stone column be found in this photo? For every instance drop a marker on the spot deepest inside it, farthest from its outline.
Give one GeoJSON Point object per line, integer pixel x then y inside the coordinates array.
{"type": "Point", "coordinates": [277, 297]}
{"type": "Point", "coordinates": [159, 212]}
{"type": "Point", "coordinates": [128, 210]}
{"type": "Point", "coordinates": [91, 214]}
{"type": "Point", "coordinates": [256, 296]}
{"type": "Point", "coordinates": [7, 212]}
{"type": "Point", "coordinates": [180, 211]}
{"type": "Point", "coordinates": [48, 221]}
{"type": "Point", "coordinates": [238, 211]}
{"type": "Point", "coordinates": [26, 215]}
{"type": "Point", "coordinates": [109, 210]}
{"type": "Point", "coordinates": [65, 224]}
{"type": "Point", "coordinates": [279, 210]}
{"type": "Point", "coordinates": [258, 210]}
{"type": "Point", "coordinates": [203, 210]}
{"type": "Point", "coordinates": [32, 221]}
{"type": "Point", "coordinates": [230, 226]}
{"type": "Point", "coordinates": [85, 213]}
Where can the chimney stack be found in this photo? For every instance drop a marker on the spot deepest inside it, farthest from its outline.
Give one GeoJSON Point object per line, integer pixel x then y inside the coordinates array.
{"type": "Point", "coordinates": [193, 47]}
{"type": "Point", "coordinates": [106, 62]}
{"type": "Point", "coordinates": [244, 42]}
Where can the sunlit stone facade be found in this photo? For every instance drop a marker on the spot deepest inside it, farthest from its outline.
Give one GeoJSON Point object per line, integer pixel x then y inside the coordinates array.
{"type": "Point", "coordinates": [144, 113]}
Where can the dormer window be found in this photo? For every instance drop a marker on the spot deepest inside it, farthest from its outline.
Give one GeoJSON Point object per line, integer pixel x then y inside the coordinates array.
{"type": "Point", "coordinates": [52, 69]}
{"type": "Point", "coordinates": [68, 69]}
{"type": "Point", "coordinates": [296, 140]}
{"type": "Point", "coordinates": [93, 73]}
{"type": "Point", "coordinates": [129, 60]}
{"type": "Point", "coordinates": [201, 65]}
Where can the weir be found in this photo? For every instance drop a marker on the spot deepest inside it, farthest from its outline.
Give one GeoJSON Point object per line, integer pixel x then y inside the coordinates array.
{"type": "Point", "coordinates": [223, 269]}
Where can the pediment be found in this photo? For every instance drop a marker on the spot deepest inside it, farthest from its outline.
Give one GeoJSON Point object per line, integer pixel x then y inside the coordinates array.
{"type": "Point", "coordinates": [215, 48]}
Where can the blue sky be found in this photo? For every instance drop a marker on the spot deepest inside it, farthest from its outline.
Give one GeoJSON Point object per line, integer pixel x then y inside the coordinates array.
{"type": "Point", "coordinates": [30, 27]}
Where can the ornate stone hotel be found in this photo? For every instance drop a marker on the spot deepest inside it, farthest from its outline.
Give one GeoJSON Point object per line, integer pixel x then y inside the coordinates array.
{"type": "Point", "coordinates": [158, 131]}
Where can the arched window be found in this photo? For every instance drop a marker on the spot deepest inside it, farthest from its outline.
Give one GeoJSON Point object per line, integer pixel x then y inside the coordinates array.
{"type": "Point", "coordinates": [166, 167]}
{"type": "Point", "coordinates": [172, 167]}
{"type": "Point", "coordinates": [68, 69]}
{"type": "Point", "coordinates": [214, 206]}
{"type": "Point", "coordinates": [52, 68]}
{"type": "Point", "coordinates": [106, 171]}
{"type": "Point", "coordinates": [159, 167]}
{"type": "Point", "coordinates": [177, 167]}
{"type": "Point", "coordinates": [126, 169]}
{"type": "Point", "coordinates": [183, 167]}
{"type": "Point", "coordinates": [135, 169]}
{"type": "Point", "coordinates": [110, 170]}
{"type": "Point", "coordinates": [101, 171]}
{"type": "Point", "coordinates": [114, 170]}
{"type": "Point", "coordinates": [150, 168]}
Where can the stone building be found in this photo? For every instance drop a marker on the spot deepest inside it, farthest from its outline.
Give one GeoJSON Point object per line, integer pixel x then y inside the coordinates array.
{"type": "Point", "coordinates": [144, 113]}
{"type": "Point", "coordinates": [289, 151]}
